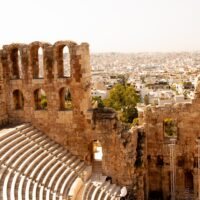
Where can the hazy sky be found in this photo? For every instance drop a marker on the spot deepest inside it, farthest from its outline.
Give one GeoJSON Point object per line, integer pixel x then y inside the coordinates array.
{"type": "Point", "coordinates": [107, 25]}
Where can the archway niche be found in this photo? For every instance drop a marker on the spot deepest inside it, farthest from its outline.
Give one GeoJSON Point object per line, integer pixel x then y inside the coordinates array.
{"type": "Point", "coordinates": [37, 62]}
{"type": "Point", "coordinates": [189, 184]}
{"type": "Point", "coordinates": [66, 62]}
{"type": "Point", "coordinates": [40, 62]}
{"type": "Point", "coordinates": [96, 157]}
{"type": "Point", "coordinates": [18, 100]}
{"type": "Point", "coordinates": [16, 66]}
{"type": "Point", "coordinates": [40, 99]}
{"type": "Point", "coordinates": [65, 99]}
{"type": "Point", "coordinates": [63, 62]}
{"type": "Point", "coordinates": [20, 63]}
{"type": "Point", "coordinates": [97, 151]}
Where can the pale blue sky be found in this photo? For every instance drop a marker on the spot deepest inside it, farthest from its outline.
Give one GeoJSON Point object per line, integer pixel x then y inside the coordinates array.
{"type": "Point", "coordinates": [107, 25]}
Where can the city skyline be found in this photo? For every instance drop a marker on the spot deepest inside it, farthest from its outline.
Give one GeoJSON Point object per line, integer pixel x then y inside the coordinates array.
{"type": "Point", "coordinates": [108, 26]}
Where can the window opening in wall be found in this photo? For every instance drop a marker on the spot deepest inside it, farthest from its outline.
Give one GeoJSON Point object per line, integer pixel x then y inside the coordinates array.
{"type": "Point", "coordinates": [96, 157]}
{"type": "Point", "coordinates": [170, 127]}
{"type": "Point", "coordinates": [14, 62]}
{"type": "Point", "coordinates": [180, 161]}
{"type": "Point", "coordinates": [97, 151]}
{"type": "Point", "coordinates": [34, 62]}
{"type": "Point", "coordinates": [160, 161]}
{"type": "Point", "coordinates": [66, 62]}
{"type": "Point", "coordinates": [40, 62]}
{"type": "Point", "coordinates": [65, 99]}
{"type": "Point", "coordinates": [40, 99]}
{"type": "Point", "coordinates": [189, 181]}
{"type": "Point", "coordinates": [18, 100]}
{"type": "Point", "coordinates": [19, 63]}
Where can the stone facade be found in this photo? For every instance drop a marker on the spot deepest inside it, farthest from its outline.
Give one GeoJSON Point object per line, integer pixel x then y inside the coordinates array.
{"type": "Point", "coordinates": [184, 119]}
{"type": "Point", "coordinates": [76, 128]}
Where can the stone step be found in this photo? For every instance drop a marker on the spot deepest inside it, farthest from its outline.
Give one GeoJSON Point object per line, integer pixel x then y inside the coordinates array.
{"type": "Point", "coordinates": [7, 133]}
{"type": "Point", "coordinates": [33, 166]}
{"type": "Point", "coordinates": [85, 191]}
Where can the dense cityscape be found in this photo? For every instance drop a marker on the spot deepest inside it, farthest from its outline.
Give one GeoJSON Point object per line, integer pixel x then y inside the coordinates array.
{"type": "Point", "coordinates": [159, 77]}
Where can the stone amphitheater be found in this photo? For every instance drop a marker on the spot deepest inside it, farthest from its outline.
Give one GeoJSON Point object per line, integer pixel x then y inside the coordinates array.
{"type": "Point", "coordinates": [54, 145]}
{"type": "Point", "coordinates": [48, 138]}
{"type": "Point", "coordinates": [33, 166]}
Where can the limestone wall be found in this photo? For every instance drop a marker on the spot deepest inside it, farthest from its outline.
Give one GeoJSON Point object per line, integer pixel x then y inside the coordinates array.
{"type": "Point", "coordinates": [186, 117]}
{"type": "Point", "coordinates": [3, 105]}
{"type": "Point", "coordinates": [65, 126]}
{"type": "Point", "coordinates": [119, 146]}
{"type": "Point", "coordinates": [74, 128]}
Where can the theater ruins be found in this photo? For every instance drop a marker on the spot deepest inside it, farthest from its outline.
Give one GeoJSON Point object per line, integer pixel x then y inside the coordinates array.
{"type": "Point", "coordinates": [55, 145]}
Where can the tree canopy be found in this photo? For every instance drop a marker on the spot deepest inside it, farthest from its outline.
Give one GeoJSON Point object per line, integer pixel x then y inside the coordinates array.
{"type": "Point", "coordinates": [123, 98]}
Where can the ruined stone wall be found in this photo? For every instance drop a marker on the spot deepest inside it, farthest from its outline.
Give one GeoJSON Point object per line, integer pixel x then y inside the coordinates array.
{"type": "Point", "coordinates": [119, 146]}
{"type": "Point", "coordinates": [186, 117]}
{"type": "Point", "coordinates": [65, 126]}
{"type": "Point", "coordinates": [3, 107]}
{"type": "Point", "coordinates": [76, 128]}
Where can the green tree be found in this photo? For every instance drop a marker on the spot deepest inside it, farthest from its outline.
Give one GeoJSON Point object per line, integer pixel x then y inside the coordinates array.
{"type": "Point", "coordinates": [123, 98]}
{"type": "Point", "coordinates": [187, 85]}
{"type": "Point", "coordinates": [99, 101]}
{"type": "Point", "coordinates": [43, 102]}
{"type": "Point", "coordinates": [135, 122]}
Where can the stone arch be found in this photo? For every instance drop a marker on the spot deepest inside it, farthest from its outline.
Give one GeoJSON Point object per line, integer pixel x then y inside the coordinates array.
{"type": "Point", "coordinates": [65, 98]}
{"type": "Point", "coordinates": [189, 182]}
{"type": "Point", "coordinates": [94, 149]}
{"type": "Point", "coordinates": [66, 62]}
{"type": "Point", "coordinates": [20, 63]}
{"type": "Point", "coordinates": [15, 63]}
{"type": "Point", "coordinates": [40, 99]}
{"type": "Point", "coordinates": [63, 53]}
{"type": "Point", "coordinates": [41, 62]}
{"type": "Point", "coordinates": [18, 100]}
{"type": "Point", "coordinates": [97, 150]}
{"type": "Point", "coordinates": [13, 59]}
{"type": "Point", "coordinates": [95, 155]}
{"type": "Point", "coordinates": [37, 56]}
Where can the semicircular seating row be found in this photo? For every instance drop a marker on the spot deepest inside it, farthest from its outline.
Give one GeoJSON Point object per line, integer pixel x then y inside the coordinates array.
{"type": "Point", "coordinates": [34, 167]}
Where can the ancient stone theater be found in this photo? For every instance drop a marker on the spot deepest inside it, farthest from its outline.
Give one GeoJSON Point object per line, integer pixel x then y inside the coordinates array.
{"type": "Point", "coordinates": [55, 145]}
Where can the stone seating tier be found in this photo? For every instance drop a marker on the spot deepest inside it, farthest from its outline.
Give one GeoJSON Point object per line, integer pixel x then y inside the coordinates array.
{"type": "Point", "coordinates": [32, 166]}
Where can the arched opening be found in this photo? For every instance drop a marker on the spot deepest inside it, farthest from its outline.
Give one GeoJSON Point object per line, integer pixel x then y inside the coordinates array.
{"type": "Point", "coordinates": [37, 63]}
{"type": "Point", "coordinates": [66, 62]}
{"type": "Point", "coordinates": [40, 99]}
{"type": "Point", "coordinates": [63, 61]}
{"type": "Point", "coordinates": [155, 185]}
{"type": "Point", "coordinates": [97, 150]}
{"type": "Point", "coordinates": [170, 127]}
{"type": "Point", "coordinates": [18, 100]}
{"type": "Point", "coordinates": [65, 99]}
{"type": "Point", "coordinates": [14, 63]}
{"type": "Point", "coordinates": [97, 155]}
{"type": "Point", "coordinates": [189, 186]}
{"type": "Point", "coordinates": [40, 63]}
{"type": "Point", "coordinates": [19, 63]}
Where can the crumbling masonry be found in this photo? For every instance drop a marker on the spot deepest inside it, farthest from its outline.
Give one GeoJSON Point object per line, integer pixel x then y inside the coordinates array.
{"type": "Point", "coordinates": [75, 128]}
{"type": "Point", "coordinates": [157, 160]}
